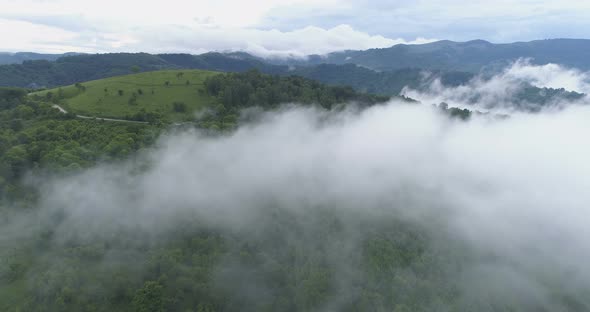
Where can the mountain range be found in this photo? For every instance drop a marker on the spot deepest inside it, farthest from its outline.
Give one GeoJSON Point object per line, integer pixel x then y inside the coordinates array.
{"type": "Point", "coordinates": [471, 56]}
{"type": "Point", "coordinates": [380, 71]}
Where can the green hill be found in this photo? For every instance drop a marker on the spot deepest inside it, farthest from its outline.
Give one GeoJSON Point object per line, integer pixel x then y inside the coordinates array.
{"type": "Point", "coordinates": [175, 95]}
{"type": "Point", "coordinates": [169, 93]}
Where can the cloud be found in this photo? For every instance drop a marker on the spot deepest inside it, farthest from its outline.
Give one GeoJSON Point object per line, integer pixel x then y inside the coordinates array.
{"type": "Point", "coordinates": [512, 192]}
{"type": "Point", "coordinates": [33, 37]}
{"type": "Point", "coordinates": [71, 23]}
{"type": "Point", "coordinates": [500, 93]}
{"type": "Point", "coordinates": [84, 35]}
{"type": "Point", "coordinates": [273, 27]}
{"type": "Point", "coordinates": [549, 76]}
{"type": "Point", "coordinates": [449, 19]}
{"type": "Point", "coordinates": [266, 43]}
{"type": "Point", "coordinates": [156, 28]}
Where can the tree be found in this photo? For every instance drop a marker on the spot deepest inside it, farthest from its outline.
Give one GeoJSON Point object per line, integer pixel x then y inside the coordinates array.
{"type": "Point", "coordinates": [133, 99]}
{"type": "Point", "coordinates": [80, 87]}
{"type": "Point", "coordinates": [23, 111]}
{"type": "Point", "coordinates": [12, 93]}
{"type": "Point", "coordinates": [16, 124]}
{"type": "Point", "coordinates": [16, 159]}
{"type": "Point", "coordinates": [121, 92]}
{"type": "Point", "coordinates": [179, 107]}
{"type": "Point", "coordinates": [135, 69]}
{"type": "Point", "coordinates": [149, 298]}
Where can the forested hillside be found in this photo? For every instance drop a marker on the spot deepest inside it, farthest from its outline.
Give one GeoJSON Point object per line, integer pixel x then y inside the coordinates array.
{"type": "Point", "coordinates": [33, 134]}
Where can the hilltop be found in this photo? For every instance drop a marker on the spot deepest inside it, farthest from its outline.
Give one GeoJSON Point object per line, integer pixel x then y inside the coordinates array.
{"type": "Point", "coordinates": [126, 96]}
{"type": "Point", "coordinates": [176, 95]}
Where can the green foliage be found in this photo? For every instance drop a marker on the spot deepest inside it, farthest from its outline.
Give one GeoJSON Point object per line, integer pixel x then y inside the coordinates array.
{"type": "Point", "coordinates": [10, 97]}
{"type": "Point", "coordinates": [36, 137]}
{"type": "Point", "coordinates": [79, 86]}
{"type": "Point", "coordinates": [149, 298]}
{"type": "Point", "coordinates": [236, 91]}
{"type": "Point", "coordinates": [252, 88]}
{"type": "Point", "coordinates": [455, 112]}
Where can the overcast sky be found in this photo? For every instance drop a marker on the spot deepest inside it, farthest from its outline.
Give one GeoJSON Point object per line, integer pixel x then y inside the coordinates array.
{"type": "Point", "coordinates": [278, 27]}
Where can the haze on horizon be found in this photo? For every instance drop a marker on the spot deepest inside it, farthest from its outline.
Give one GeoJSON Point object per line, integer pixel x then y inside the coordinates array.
{"type": "Point", "coordinates": [277, 28]}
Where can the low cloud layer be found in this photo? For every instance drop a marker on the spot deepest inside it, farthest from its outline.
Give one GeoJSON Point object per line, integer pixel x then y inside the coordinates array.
{"type": "Point", "coordinates": [500, 92]}
{"type": "Point", "coordinates": [548, 76]}
{"type": "Point", "coordinates": [514, 191]}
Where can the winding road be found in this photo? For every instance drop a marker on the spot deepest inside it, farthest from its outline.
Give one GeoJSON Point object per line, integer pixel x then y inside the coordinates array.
{"type": "Point", "coordinates": [61, 109]}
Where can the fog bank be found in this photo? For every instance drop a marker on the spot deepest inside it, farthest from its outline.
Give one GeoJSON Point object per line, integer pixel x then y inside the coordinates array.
{"type": "Point", "coordinates": [512, 192]}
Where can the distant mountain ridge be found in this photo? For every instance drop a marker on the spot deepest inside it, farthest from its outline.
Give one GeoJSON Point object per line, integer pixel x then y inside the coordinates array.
{"type": "Point", "coordinates": [19, 57]}
{"type": "Point", "coordinates": [79, 68]}
{"type": "Point", "coordinates": [71, 69]}
{"type": "Point", "coordinates": [470, 56]}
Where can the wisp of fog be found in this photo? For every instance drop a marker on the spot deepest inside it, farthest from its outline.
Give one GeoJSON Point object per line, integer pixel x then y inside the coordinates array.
{"type": "Point", "coordinates": [502, 92]}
